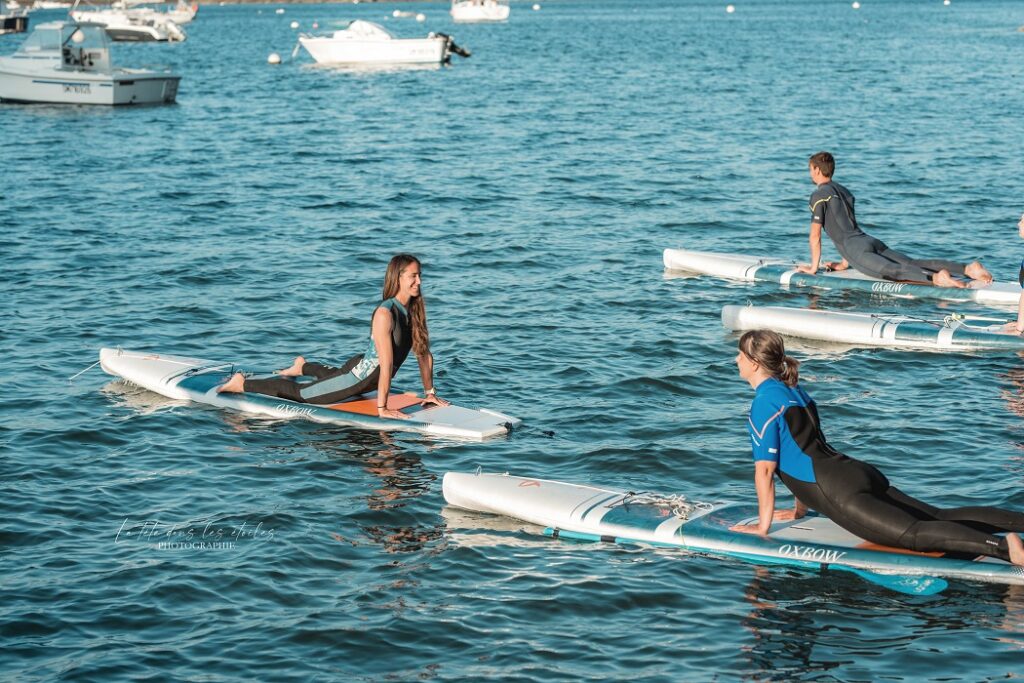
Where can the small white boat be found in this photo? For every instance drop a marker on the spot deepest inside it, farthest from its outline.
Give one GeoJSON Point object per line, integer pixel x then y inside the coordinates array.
{"type": "Point", "coordinates": [180, 14]}
{"type": "Point", "coordinates": [133, 25]}
{"type": "Point", "coordinates": [12, 18]}
{"type": "Point", "coordinates": [69, 63]}
{"type": "Point", "coordinates": [479, 11]}
{"type": "Point", "coordinates": [364, 42]}
{"type": "Point", "coordinates": [51, 4]}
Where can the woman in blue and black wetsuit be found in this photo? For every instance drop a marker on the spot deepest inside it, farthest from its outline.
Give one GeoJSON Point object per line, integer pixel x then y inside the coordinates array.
{"type": "Point", "coordinates": [399, 325]}
{"type": "Point", "coordinates": [787, 440]}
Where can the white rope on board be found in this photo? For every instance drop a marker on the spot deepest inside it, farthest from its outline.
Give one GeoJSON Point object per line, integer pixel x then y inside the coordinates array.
{"type": "Point", "coordinates": [676, 503]}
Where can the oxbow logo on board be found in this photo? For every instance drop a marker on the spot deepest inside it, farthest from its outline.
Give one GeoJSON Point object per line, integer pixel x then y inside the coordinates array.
{"type": "Point", "coordinates": [803, 552]}
{"type": "Point", "coordinates": [294, 410]}
{"type": "Point", "coordinates": [892, 287]}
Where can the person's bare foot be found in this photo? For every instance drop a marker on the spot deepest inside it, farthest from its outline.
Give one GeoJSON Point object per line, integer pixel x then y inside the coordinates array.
{"type": "Point", "coordinates": [976, 271]}
{"type": "Point", "coordinates": [1016, 547]}
{"type": "Point", "coordinates": [944, 279]}
{"type": "Point", "coordinates": [235, 385]}
{"type": "Point", "coordinates": [295, 370]}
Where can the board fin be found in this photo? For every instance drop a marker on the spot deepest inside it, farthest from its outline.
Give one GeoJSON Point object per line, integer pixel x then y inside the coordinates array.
{"type": "Point", "coordinates": [909, 584]}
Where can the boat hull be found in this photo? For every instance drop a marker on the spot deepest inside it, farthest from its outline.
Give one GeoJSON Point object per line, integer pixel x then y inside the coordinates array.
{"type": "Point", "coordinates": [326, 50]}
{"type": "Point", "coordinates": [469, 13]}
{"type": "Point", "coordinates": [54, 86]}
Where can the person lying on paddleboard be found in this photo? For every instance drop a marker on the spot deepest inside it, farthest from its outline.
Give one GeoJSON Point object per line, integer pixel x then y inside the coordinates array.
{"type": "Point", "coordinates": [787, 440]}
{"type": "Point", "coordinates": [832, 209]}
{"type": "Point", "coordinates": [399, 325]}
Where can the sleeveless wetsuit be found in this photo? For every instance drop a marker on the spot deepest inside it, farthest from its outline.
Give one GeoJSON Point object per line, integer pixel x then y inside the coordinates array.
{"type": "Point", "coordinates": [358, 375]}
{"type": "Point", "coordinates": [832, 208]}
{"type": "Point", "coordinates": [855, 495]}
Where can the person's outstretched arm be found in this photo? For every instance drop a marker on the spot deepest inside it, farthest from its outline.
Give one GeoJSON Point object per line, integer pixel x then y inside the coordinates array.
{"type": "Point", "coordinates": [815, 242]}
{"type": "Point", "coordinates": [426, 362]}
{"type": "Point", "coordinates": [764, 482]}
{"type": "Point", "coordinates": [381, 332]}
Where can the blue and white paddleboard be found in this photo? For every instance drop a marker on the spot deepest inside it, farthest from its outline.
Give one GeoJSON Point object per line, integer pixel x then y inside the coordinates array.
{"type": "Point", "coordinates": [759, 269]}
{"type": "Point", "coordinates": [591, 513]}
{"type": "Point", "coordinates": [197, 380]}
{"type": "Point", "coordinates": [940, 333]}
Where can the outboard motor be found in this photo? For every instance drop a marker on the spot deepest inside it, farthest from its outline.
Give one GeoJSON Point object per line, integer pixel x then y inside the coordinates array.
{"type": "Point", "coordinates": [451, 48]}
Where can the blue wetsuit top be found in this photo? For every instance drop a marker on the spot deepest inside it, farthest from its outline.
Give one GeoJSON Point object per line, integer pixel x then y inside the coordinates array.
{"type": "Point", "coordinates": [770, 433]}
{"type": "Point", "coordinates": [784, 429]}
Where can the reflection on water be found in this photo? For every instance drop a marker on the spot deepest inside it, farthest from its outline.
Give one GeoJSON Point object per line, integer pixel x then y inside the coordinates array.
{"type": "Point", "coordinates": [133, 397]}
{"type": "Point", "coordinates": [1013, 392]}
{"type": "Point", "coordinates": [468, 529]}
{"type": "Point", "coordinates": [401, 477]}
{"type": "Point", "coordinates": [801, 624]}
{"type": "Point", "coordinates": [372, 69]}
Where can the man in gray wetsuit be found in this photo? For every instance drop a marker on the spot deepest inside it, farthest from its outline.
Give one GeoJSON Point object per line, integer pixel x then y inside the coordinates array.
{"type": "Point", "coordinates": [832, 209]}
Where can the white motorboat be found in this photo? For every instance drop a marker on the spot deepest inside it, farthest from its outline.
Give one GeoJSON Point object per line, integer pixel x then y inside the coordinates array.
{"type": "Point", "coordinates": [132, 25]}
{"type": "Point", "coordinates": [364, 42]}
{"type": "Point", "coordinates": [180, 14]}
{"type": "Point", "coordinates": [12, 18]}
{"type": "Point", "coordinates": [69, 63]}
{"type": "Point", "coordinates": [479, 11]}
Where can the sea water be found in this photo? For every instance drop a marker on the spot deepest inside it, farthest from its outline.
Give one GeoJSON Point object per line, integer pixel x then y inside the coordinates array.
{"type": "Point", "coordinates": [538, 181]}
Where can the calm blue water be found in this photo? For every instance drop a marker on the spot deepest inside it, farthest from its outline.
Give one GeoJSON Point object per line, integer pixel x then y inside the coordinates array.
{"type": "Point", "coordinates": [539, 182]}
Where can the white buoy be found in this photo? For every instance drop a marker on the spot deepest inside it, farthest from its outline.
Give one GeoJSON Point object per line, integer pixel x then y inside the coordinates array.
{"type": "Point", "coordinates": [396, 14]}
{"type": "Point", "coordinates": [536, 8]}
{"type": "Point", "coordinates": [730, 9]}
{"type": "Point", "coordinates": [421, 17]}
{"type": "Point", "coordinates": [945, 2]}
{"type": "Point", "coordinates": [855, 5]}
{"type": "Point", "coordinates": [274, 58]}
{"type": "Point", "coordinates": [280, 10]}
{"type": "Point", "coordinates": [316, 24]}
{"type": "Point", "coordinates": [295, 24]}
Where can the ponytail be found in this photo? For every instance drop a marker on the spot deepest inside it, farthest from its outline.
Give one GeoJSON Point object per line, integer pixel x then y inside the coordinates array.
{"type": "Point", "coordinates": [765, 348]}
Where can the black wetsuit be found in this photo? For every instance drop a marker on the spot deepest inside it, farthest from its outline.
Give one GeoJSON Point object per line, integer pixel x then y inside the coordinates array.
{"type": "Point", "coordinates": [832, 208]}
{"type": "Point", "coordinates": [784, 429]}
{"type": "Point", "coordinates": [359, 375]}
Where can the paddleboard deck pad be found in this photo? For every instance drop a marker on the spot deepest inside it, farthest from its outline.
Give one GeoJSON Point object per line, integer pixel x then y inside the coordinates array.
{"type": "Point", "coordinates": [762, 269]}
{"type": "Point", "coordinates": [197, 380]}
{"type": "Point", "coordinates": [946, 333]}
{"type": "Point", "coordinates": [601, 514]}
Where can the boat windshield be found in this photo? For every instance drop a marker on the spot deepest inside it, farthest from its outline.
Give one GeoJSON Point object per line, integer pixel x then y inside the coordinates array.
{"type": "Point", "coordinates": [42, 40]}
{"type": "Point", "coordinates": [367, 29]}
{"type": "Point", "coordinates": [52, 37]}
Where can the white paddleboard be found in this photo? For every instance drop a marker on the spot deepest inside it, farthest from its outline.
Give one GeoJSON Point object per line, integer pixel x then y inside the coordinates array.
{"type": "Point", "coordinates": [605, 514]}
{"type": "Point", "coordinates": [197, 380]}
{"type": "Point", "coordinates": [764, 269]}
{"type": "Point", "coordinates": [946, 333]}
